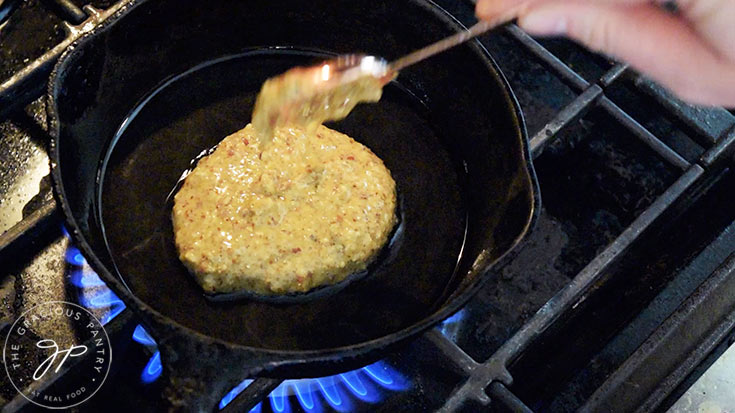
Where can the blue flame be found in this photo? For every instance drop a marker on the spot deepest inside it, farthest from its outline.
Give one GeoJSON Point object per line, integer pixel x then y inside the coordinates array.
{"type": "Point", "coordinates": [93, 293]}
{"type": "Point", "coordinates": [304, 393]}
{"type": "Point", "coordinates": [74, 256]}
{"type": "Point", "coordinates": [380, 375]}
{"type": "Point", "coordinates": [234, 392]}
{"type": "Point", "coordinates": [278, 400]}
{"type": "Point", "coordinates": [450, 327]}
{"type": "Point", "coordinates": [340, 390]}
{"type": "Point", "coordinates": [337, 391]}
{"type": "Point", "coordinates": [86, 278]}
{"type": "Point", "coordinates": [334, 395]}
{"type": "Point", "coordinates": [99, 299]}
{"type": "Point", "coordinates": [141, 336]}
{"type": "Point", "coordinates": [329, 391]}
{"type": "Point", "coordinates": [354, 382]}
{"type": "Point", "coordinates": [114, 312]}
{"type": "Point", "coordinates": [152, 369]}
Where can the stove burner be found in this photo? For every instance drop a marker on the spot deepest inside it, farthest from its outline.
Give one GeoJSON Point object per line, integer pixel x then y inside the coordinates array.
{"type": "Point", "coordinates": [92, 291]}
{"type": "Point", "coordinates": [339, 392]}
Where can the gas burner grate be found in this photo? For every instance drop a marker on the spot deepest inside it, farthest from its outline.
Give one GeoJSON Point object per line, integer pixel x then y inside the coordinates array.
{"type": "Point", "coordinates": [339, 392]}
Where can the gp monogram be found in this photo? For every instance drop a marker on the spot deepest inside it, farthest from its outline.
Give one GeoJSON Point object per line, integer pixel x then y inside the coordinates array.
{"type": "Point", "coordinates": [45, 342]}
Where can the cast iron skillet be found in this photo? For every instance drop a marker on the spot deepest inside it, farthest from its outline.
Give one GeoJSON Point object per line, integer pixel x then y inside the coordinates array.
{"type": "Point", "coordinates": [134, 101]}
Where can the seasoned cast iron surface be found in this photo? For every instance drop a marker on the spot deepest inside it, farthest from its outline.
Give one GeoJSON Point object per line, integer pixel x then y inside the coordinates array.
{"type": "Point", "coordinates": [198, 110]}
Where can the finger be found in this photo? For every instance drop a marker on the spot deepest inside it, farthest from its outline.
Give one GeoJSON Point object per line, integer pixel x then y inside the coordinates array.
{"type": "Point", "coordinates": [650, 39]}
{"type": "Point", "coordinates": [492, 9]}
{"type": "Point", "coordinates": [500, 10]}
{"type": "Point", "coordinates": [712, 19]}
{"type": "Point", "coordinates": [715, 21]}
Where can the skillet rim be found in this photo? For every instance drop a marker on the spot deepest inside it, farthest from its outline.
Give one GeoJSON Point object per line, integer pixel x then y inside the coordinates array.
{"type": "Point", "coordinates": [276, 358]}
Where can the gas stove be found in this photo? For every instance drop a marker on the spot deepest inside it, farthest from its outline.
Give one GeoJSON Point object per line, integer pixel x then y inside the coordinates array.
{"type": "Point", "coordinates": [622, 297]}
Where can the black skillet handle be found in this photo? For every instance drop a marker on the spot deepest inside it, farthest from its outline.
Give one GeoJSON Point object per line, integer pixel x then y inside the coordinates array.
{"type": "Point", "coordinates": [199, 372]}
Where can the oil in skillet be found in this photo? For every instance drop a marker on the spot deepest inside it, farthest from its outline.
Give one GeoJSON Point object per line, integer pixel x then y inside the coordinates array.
{"type": "Point", "coordinates": [194, 111]}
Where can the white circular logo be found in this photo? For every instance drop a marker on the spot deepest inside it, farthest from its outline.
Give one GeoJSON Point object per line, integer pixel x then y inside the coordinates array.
{"type": "Point", "coordinates": [46, 341]}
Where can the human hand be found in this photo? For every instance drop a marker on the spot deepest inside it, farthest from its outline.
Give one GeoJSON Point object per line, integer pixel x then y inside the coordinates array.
{"type": "Point", "coordinates": [691, 52]}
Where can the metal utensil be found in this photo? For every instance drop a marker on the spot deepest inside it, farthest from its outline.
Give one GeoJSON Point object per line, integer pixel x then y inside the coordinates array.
{"type": "Point", "coordinates": [352, 67]}
{"type": "Point", "coordinates": [309, 96]}
{"type": "Point", "coordinates": [441, 45]}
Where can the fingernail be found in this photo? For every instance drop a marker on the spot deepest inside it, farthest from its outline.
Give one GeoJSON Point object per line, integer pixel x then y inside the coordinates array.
{"type": "Point", "coordinates": [543, 24]}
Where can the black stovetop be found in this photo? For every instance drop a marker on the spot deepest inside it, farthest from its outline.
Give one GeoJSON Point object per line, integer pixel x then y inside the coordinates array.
{"type": "Point", "coordinates": [609, 306]}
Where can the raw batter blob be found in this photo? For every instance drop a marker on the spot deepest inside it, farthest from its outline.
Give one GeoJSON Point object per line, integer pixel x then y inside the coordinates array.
{"type": "Point", "coordinates": [309, 96]}
{"type": "Point", "coordinates": [297, 213]}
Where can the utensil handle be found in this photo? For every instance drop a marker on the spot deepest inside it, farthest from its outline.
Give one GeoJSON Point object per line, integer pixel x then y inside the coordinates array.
{"type": "Point", "coordinates": [442, 45]}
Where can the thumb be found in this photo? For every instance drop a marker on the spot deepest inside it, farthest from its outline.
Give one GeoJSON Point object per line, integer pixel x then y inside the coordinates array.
{"type": "Point", "coordinates": [652, 40]}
